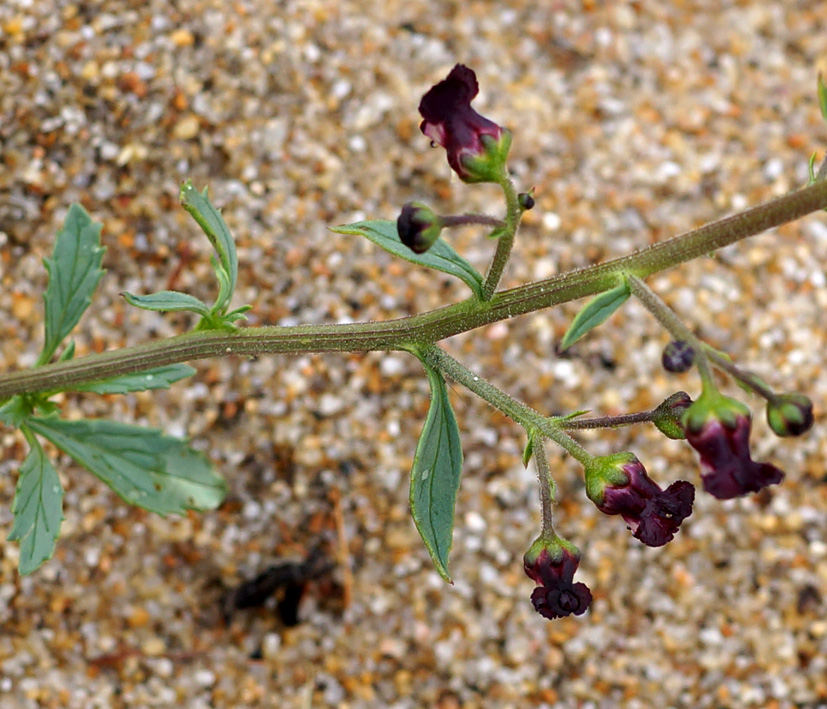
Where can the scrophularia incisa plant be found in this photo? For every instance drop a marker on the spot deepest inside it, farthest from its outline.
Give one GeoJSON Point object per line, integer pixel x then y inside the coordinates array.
{"type": "Point", "coordinates": [163, 474]}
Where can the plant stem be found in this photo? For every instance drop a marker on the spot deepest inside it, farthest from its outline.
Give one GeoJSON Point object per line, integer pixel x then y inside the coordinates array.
{"type": "Point", "coordinates": [747, 378]}
{"type": "Point", "coordinates": [548, 488]}
{"type": "Point", "coordinates": [423, 329]}
{"type": "Point", "coordinates": [506, 241]}
{"type": "Point", "coordinates": [674, 326]}
{"type": "Point", "coordinates": [468, 219]}
{"type": "Point", "coordinates": [524, 415]}
{"type": "Point", "coordinates": [606, 421]}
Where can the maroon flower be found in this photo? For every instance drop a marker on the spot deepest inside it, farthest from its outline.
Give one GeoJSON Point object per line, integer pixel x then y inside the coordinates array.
{"type": "Point", "coordinates": [552, 563]}
{"type": "Point", "coordinates": [619, 485]}
{"type": "Point", "coordinates": [718, 428]}
{"type": "Point", "coordinates": [476, 147]}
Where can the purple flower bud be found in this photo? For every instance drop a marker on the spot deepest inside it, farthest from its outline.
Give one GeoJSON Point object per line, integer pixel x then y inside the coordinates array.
{"type": "Point", "coordinates": [476, 147]}
{"type": "Point", "coordinates": [526, 199]}
{"type": "Point", "coordinates": [619, 485]}
{"type": "Point", "coordinates": [551, 562]}
{"type": "Point", "coordinates": [418, 227]}
{"type": "Point", "coordinates": [718, 428]}
{"type": "Point", "coordinates": [669, 414]}
{"type": "Point", "coordinates": [790, 415]}
{"type": "Point", "coordinates": [678, 356]}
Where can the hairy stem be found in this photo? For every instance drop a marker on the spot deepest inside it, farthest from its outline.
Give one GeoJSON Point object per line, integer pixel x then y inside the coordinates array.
{"type": "Point", "coordinates": [674, 325]}
{"type": "Point", "coordinates": [426, 328]}
{"type": "Point", "coordinates": [505, 242]}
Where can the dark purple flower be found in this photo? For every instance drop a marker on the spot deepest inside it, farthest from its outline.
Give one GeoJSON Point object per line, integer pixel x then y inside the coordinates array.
{"type": "Point", "coordinates": [476, 147]}
{"type": "Point", "coordinates": [718, 428]}
{"type": "Point", "coordinates": [418, 227]}
{"type": "Point", "coordinates": [552, 563]}
{"type": "Point", "coordinates": [678, 356]}
{"type": "Point", "coordinates": [619, 485]}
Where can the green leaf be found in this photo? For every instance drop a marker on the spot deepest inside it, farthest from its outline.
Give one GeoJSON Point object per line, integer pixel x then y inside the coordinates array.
{"type": "Point", "coordinates": [440, 256]}
{"type": "Point", "coordinates": [67, 353]}
{"type": "Point", "coordinates": [158, 378]}
{"type": "Point", "coordinates": [528, 451]}
{"type": "Point", "coordinates": [210, 220]}
{"type": "Point", "coordinates": [15, 411]}
{"type": "Point", "coordinates": [595, 312]}
{"type": "Point", "coordinates": [436, 473]}
{"type": "Point", "coordinates": [74, 271]}
{"type": "Point", "coordinates": [143, 466]}
{"type": "Point", "coordinates": [37, 508]}
{"type": "Point", "coordinates": [822, 96]}
{"type": "Point", "coordinates": [167, 300]}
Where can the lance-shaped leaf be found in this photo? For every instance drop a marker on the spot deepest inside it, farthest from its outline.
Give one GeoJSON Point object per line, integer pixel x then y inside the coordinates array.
{"type": "Point", "coordinates": [822, 96]}
{"type": "Point", "coordinates": [435, 476]}
{"type": "Point", "coordinates": [74, 271]}
{"type": "Point", "coordinates": [595, 312]}
{"type": "Point", "coordinates": [167, 300]}
{"type": "Point", "coordinates": [145, 467]}
{"type": "Point", "coordinates": [37, 508]}
{"type": "Point", "coordinates": [440, 256]}
{"type": "Point", "coordinates": [210, 220]}
{"type": "Point", "coordinates": [158, 378]}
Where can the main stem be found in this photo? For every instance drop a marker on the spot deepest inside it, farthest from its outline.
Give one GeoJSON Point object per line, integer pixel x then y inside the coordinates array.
{"type": "Point", "coordinates": [426, 328]}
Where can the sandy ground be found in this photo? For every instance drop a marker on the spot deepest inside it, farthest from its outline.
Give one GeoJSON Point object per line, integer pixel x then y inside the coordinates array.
{"type": "Point", "coordinates": [635, 121]}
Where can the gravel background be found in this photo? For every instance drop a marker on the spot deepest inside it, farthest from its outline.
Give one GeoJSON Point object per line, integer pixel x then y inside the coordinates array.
{"type": "Point", "coordinates": [635, 121]}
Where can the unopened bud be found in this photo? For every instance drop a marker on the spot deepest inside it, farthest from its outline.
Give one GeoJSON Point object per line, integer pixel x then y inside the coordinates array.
{"type": "Point", "coordinates": [526, 200]}
{"type": "Point", "coordinates": [790, 415]}
{"type": "Point", "coordinates": [418, 227]}
{"type": "Point", "coordinates": [678, 356]}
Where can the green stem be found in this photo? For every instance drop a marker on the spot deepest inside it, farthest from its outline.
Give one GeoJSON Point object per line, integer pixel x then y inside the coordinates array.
{"type": "Point", "coordinates": [548, 488]}
{"type": "Point", "coordinates": [426, 328]}
{"type": "Point", "coordinates": [524, 415]}
{"type": "Point", "coordinates": [470, 219]}
{"type": "Point", "coordinates": [674, 326]}
{"type": "Point", "coordinates": [746, 378]}
{"type": "Point", "coordinates": [506, 241]}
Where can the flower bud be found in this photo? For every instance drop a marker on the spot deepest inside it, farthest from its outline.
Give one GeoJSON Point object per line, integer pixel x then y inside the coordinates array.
{"type": "Point", "coordinates": [619, 485]}
{"type": "Point", "coordinates": [526, 200]}
{"type": "Point", "coordinates": [668, 415]}
{"type": "Point", "coordinates": [678, 356]}
{"type": "Point", "coordinates": [551, 562]}
{"type": "Point", "coordinates": [790, 415]}
{"type": "Point", "coordinates": [718, 428]}
{"type": "Point", "coordinates": [476, 147]}
{"type": "Point", "coordinates": [418, 227]}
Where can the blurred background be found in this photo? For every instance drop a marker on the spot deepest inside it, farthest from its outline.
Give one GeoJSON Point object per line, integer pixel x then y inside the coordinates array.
{"type": "Point", "coordinates": [635, 122]}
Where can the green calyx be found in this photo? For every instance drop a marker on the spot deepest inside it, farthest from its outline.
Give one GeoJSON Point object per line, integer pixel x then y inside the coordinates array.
{"type": "Point", "coordinates": [605, 470]}
{"type": "Point", "coordinates": [553, 545]}
{"type": "Point", "coordinates": [669, 414]}
{"type": "Point", "coordinates": [790, 415]}
{"type": "Point", "coordinates": [489, 165]}
{"type": "Point", "coordinates": [711, 404]}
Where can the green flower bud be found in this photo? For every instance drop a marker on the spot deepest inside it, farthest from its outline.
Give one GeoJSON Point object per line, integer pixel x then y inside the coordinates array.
{"type": "Point", "coordinates": [418, 227]}
{"type": "Point", "coordinates": [790, 415]}
{"type": "Point", "coordinates": [669, 413]}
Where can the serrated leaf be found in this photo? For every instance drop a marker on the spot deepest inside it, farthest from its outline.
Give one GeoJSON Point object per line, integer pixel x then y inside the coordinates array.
{"type": "Point", "coordinates": [595, 312]}
{"type": "Point", "coordinates": [167, 300]}
{"type": "Point", "coordinates": [74, 271]}
{"type": "Point", "coordinates": [158, 378]}
{"type": "Point", "coordinates": [37, 508]}
{"type": "Point", "coordinates": [212, 223]}
{"type": "Point", "coordinates": [440, 256]}
{"type": "Point", "coordinates": [435, 475]}
{"type": "Point", "coordinates": [142, 465]}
